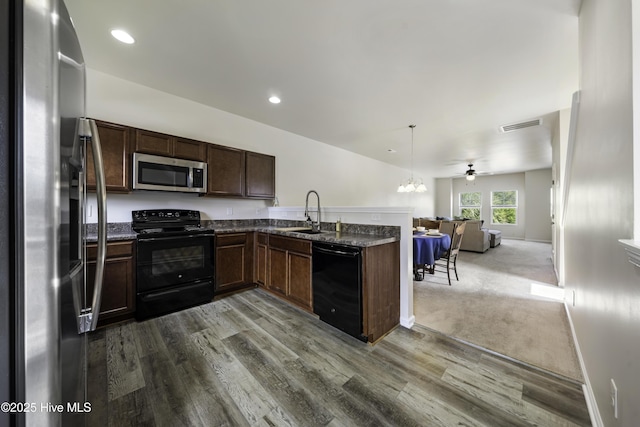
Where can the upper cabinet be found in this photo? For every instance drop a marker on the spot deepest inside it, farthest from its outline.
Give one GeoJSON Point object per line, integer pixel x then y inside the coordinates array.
{"type": "Point", "coordinates": [116, 155]}
{"type": "Point", "coordinates": [153, 143]}
{"type": "Point", "coordinates": [189, 149]}
{"type": "Point", "coordinates": [226, 169]}
{"type": "Point", "coordinates": [231, 172]}
{"type": "Point", "coordinates": [237, 173]}
{"type": "Point", "coordinates": [260, 176]}
{"type": "Point", "coordinates": [170, 146]}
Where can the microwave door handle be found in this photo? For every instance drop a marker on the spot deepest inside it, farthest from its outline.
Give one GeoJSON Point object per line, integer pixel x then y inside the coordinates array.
{"type": "Point", "coordinates": [91, 316]}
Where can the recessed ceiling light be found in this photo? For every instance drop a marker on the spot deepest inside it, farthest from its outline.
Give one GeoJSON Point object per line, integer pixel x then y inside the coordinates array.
{"type": "Point", "coordinates": [274, 100]}
{"type": "Point", "coordinates": [123, 36]}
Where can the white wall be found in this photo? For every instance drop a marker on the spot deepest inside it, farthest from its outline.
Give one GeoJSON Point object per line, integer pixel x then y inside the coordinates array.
{"type": "Point", "coordinates": [606, 315]}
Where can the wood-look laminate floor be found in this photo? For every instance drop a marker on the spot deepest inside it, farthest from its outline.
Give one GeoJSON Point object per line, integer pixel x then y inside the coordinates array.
{"type": "Point", "coordinates": [251, 360]}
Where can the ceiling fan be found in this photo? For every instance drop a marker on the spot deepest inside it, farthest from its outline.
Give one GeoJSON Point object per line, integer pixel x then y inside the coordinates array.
{"type": "Point", "coordinates": [470, 174]}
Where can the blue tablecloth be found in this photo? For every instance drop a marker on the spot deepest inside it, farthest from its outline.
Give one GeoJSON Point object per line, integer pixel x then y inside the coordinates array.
{"type": "Point", "coordinates": [428, 249]}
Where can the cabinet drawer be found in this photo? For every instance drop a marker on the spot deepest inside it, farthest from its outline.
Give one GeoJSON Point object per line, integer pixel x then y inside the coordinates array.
{"type": "Point", "coordinates": [290, 244]}
{"type": "Point", "coordinates": [231, 239]}
{"type": "Point", "coordinates": [114, 249]}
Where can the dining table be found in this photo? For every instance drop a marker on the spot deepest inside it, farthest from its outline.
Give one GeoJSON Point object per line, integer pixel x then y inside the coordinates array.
{"type": "Point", "coordinates": [427, 249]}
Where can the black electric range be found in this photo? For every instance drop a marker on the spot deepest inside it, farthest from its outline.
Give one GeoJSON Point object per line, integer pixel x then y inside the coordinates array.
{"type": "Point", "coordinates": [175, 261]}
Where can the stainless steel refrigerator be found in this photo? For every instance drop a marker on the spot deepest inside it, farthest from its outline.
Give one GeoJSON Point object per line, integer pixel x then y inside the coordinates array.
{"type": "Point", "coordinates": [45, 311]}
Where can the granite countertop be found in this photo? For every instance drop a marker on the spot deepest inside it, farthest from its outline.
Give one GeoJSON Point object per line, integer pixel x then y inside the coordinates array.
{"type": "Point", "coordinates": [351, 236]}
{"type": "Point", "coordinates": [351, 239]}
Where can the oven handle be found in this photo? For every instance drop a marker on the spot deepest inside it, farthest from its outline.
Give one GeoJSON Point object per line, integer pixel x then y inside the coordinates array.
{"type": "Point", "coordinates": [155, 295]}
{"type": "Point", "coordinates": [182, 236]}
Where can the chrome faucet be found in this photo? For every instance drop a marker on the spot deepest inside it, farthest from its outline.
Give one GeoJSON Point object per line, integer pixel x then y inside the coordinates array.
{"type": "Point", "coordinates": [314, 226]}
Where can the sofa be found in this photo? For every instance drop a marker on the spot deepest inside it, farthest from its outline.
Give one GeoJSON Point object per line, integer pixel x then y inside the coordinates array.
{"type": "Point", "coordinates": [475, 238]}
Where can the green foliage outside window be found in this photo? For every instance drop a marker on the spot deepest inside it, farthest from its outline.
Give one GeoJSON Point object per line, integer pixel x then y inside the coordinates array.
{"type": "Point", "coordinates": [471, 199]}
{"type": "Point", "coordinates": [470, 205]}
{"type": "Point", "coordinates": [470, 213]}
{"type": "Point", "coordinates": [503, 216]}
{"type": "Point", "coordinates": [504, 207]}
{"type": "Point", "coordinates": [504, 198]}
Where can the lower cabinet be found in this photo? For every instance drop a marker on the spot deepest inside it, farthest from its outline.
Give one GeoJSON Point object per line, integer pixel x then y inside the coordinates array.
{"type": "Point", "coordinates": [262, 247]}
{"type": "Point", "coordinates": [284, 267]}
{"type": "Point", "coordinates": [118, 284]}
{"type": "Point", "coordinates": [380, 290]}
{"type": "Point", "coordinates": [234, 261]}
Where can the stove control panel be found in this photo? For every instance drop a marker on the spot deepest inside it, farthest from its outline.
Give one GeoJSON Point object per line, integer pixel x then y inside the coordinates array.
{"type": "Point", "coordinates": [164, 218]}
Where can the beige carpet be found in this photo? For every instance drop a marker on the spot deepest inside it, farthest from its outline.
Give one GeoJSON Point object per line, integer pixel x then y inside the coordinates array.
{"type": "Point", "coordinates": [492, 306]}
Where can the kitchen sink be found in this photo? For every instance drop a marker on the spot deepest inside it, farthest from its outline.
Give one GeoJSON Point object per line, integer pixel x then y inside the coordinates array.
{"type": "Point", "coordinates": [309, 231]}
{"type": "Point", "coordinates": [304, 230]}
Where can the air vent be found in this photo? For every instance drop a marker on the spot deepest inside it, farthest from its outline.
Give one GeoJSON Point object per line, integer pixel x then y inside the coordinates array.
{"type": "Point", "coordinates": [518, 126]}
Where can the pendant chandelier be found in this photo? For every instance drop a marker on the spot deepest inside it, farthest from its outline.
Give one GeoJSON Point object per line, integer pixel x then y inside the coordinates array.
{"type": "Point", "coordinates": [411, 185]}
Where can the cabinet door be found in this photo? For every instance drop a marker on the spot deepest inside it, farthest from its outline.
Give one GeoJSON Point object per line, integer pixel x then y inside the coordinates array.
{"type": "Point", "coordinates": [234, 260]}
{"type": "Point", "coordinates": [260, 176]}
{"type": "Point", "coordinates": [116, 155]}
{"type": "Point", "coordinates": [380, 289]}
{"type": "Point", "coordinates": [190, 150]}
{"type": "Point", "coordinates": [153, 143]}
{"type": "Point", "coordinates": [225, 171]}
{"type": "Point", "coordinates": [262, 242]}
{"type": "Point", "coordinates": [118, 286]}
{"type": "Point", "coordinates": [277, 279]}
{"type": "Point", "coordinates": [300, 279]}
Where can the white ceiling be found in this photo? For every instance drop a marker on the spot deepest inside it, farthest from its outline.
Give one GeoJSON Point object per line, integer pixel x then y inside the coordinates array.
{"type": "Point", "coordinates": [356, 73]}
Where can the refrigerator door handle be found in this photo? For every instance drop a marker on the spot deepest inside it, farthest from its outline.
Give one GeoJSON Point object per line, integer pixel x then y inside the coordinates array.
{"type": "Point", "coordinates": [90, 317]}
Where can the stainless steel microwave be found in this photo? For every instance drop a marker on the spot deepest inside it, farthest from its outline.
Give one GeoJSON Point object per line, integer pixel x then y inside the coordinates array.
{"type": "Point", "coordinates": [168, 174]}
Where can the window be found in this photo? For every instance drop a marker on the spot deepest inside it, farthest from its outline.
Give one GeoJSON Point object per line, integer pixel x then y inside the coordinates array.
{"type": "Point", "coordinates": [504, 205]}
{"type": "Point", "coordinates": [470, 205]}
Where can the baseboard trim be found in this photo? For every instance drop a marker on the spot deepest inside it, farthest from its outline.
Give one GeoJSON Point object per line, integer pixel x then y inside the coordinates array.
{"type": "Point", "coordinates": [592, 404]}
{"type": "Point", "coordinates": [408, 322]}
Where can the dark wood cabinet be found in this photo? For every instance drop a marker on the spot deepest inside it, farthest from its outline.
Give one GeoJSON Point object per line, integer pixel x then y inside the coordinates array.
{"type": "Point", "coordinates": [300, 268]}
{"type": "Point", "coordinates": [160, 144]}
{"type": "Point", "coordinates": [260, 176]}
{"type": "Point", "coordinates": [231, 172]}
{"type": "Point", "coordinates": [190, 149]}
{"type": "Point", "coordinates": [262, 247]}
{"type": "Point", "coordinates": [277, 277]}
{"type": "Point", "coordinates": [226, 171]}
{"type": "Point", "coordinates": [234, 261]}
{"type": "Point", "coordinates": [289, 269]}
{"type": "Point", "coordinates": [118, 284]}
{"type": "Point", "coordinates": [380, 289]}
{"type": "Point", "coordinates": [153, 143]}
{"type": "Point", "coordinates": [116, 156]}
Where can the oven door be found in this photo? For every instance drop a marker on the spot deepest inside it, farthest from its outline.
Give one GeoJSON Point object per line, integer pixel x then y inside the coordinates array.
{"type": "Point", "coordinates": [164, 262]}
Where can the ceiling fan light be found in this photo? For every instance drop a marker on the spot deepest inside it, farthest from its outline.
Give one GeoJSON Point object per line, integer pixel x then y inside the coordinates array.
{"type": "Point", "coordinates": [471, 177]}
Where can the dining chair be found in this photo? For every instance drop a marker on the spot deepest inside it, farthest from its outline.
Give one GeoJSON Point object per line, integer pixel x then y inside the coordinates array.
{"type": "Point", "coordinates": [448, 262]}
{"type": "Point", "coordinates": [430, 224]}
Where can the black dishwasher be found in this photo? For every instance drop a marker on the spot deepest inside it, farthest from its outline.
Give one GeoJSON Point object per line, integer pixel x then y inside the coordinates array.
{"type": "Point", "coordinates": [337, 286]}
